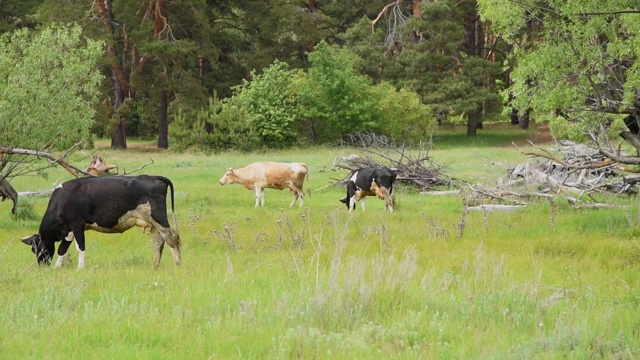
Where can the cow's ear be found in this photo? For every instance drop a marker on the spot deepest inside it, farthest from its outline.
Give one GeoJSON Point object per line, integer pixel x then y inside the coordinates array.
{"type": "Point", "coordinates": [344, 201]}
{"type": "Point", "coordinates": [28, 240]}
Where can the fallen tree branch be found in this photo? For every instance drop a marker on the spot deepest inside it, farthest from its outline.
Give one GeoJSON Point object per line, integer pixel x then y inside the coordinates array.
{"type": "Point", "coordinates": [628, 160]}
{"type": "Point", "coordinates": [52, 159]}
{"type": "Point", "coordinates": [498, 207]}
{"type": "Point", "coordinates": [547, 155]}
{"type": "Point", "coordinates": [35, 193]}
{"type": "Point", "coordinates": [138, 168]}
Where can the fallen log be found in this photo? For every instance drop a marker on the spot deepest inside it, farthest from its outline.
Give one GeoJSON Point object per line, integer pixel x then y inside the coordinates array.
{"type": "Point", "coordinates": [36, 193]}
{"type": "Point", "coordinates": [496, 207]}
{"type": "Point", "coordinates": [440, 193]}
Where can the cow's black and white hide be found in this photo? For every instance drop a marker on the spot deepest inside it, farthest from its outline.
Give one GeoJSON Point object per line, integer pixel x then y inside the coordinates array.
{"type": "Point", "coordinates": [370, 181]}
{"type": "Point", "coordinates": [111, 204]}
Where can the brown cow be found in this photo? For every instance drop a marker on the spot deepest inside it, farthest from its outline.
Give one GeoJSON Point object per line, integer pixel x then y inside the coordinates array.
{"type": "Point", "coordinates": [274, 175]}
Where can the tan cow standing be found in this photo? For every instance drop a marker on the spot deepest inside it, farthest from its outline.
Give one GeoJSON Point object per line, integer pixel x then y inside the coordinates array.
{"type": "Point", "coordinates": [260, 175]}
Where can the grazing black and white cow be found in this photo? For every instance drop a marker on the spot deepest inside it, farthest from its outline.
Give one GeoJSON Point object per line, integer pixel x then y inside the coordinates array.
{"type": "Point", "coordinates": [370, 181]}
{"type": "Point", "coordinates": [111, 204]}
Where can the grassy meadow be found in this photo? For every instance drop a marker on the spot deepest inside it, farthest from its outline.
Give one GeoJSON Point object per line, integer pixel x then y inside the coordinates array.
{"type": "Point", "coordinates": [428, 281]}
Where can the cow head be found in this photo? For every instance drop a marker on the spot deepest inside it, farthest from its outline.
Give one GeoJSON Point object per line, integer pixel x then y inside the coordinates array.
{"type": "Point", "coordinates": [44, 252]}
{"type": "Point", "coordinates": [226, 179]}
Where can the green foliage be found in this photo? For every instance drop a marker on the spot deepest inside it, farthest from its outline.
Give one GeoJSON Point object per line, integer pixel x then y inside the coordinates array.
{"type": "Point", "coordinates": [224, 125]}
{"type": "Point", "coordinates": [425, 55]}
{"type": "Point", "coordinates": [332, 95]}
{"type": "Point", "coordinates": [48, 83]}
{"type": "Point", "coordinates": [563, 129]}
{"type": "Point", "coordinates": [17, 13]}
{"type": "Point", "coordinates": [576, 56]}
{"type": "Point", "coordinates": [404, 116]}
{"type": "Point", "coordinates": [270, 105]}
{"type": "Point", "coordinates": [25, 210]}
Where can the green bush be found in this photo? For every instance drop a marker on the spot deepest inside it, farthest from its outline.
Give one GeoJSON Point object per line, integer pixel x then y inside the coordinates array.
{"type": "Point", "coordinates": [221, 126]}
{"type": "Point", "coordinates": [404, 116]}
{"type": "Point", "coordinates": [333, 97]}
{"type": "Point", "coordinates": [25, 210]}
{"type": "Point", "coordinates": [270, 105]}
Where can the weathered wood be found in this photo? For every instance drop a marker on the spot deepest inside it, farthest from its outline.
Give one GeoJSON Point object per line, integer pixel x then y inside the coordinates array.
{"type": "Point", "coordinates": [413, 167]}
{"type": "Point", "coordinates": [496, 207]}
{"type": "Point", "coordinates": [631, 138]}
{"type": "Point", "coordinates": [36, 193]}
{"type": "Point", "coordinates": [52, 159]}
{"type": "Point", "coordinates": [440, 193]}
{"type": "Point", "coordinates": [7, 191]}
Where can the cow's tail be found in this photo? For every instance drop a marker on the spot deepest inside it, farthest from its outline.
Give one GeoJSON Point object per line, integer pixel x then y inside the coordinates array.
{"type": "Point", "coordinates": [173, 211]}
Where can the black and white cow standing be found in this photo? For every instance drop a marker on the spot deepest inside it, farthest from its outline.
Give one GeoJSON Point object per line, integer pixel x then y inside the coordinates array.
{"type": "Point", "coordinates": [111, 204]}
{"type": "Point", "coordinates": [371, 181]}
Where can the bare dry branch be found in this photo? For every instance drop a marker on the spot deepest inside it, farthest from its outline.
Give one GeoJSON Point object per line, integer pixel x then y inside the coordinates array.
{"type": "Point", "coordinates": [414, 167]}
{"type": "Point", "coordinates": [384, 10]}
{"type": "Point", "coordinates": [52, 159]}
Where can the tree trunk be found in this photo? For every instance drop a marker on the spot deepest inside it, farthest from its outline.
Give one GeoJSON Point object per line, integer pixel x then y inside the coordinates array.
{"type": "Point", "coordinates": [472, 119]}
{"type": "Point", "coordinates": [471, 20]}
{"type": "Point", "coordinates": [118, 132]}
{"type": "Point", "coordinates": [524, 120]}
{"type": "Point", "coordinates": [121, 88]}
{"type": "Point", "coordinates": [118, 137]}
{"type": "Point", "coordinates": [163, 124]}
{"type": "Point", "coordinates": [515, 119]}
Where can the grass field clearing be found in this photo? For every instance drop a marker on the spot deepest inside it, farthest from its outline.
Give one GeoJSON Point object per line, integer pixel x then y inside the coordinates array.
{"type": "Point", "coordinates": [426, 282]}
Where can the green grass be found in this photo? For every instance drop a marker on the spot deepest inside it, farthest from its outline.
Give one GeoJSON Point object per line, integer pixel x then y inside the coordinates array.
{"type": "Point", "coordinates": [317, 282]}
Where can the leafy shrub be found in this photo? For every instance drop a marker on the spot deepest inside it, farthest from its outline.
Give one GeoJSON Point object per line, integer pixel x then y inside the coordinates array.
{"type": "Point", "coordinates": [221, 126]}
{"type": "Point", "coordinates": [333, 97]}
{"type": "Point", "coordinates": [403, 115]}
{"type": "Point", "coordinates": [25, 211]}
{"type": "Point", "coordinates": [270, 105]}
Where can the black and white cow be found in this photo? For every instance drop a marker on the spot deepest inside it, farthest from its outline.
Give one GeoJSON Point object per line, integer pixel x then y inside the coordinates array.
{"type": "Point", "coordinates": [111, 204]}
{"type": "Point", "coordinates": [370, 181]}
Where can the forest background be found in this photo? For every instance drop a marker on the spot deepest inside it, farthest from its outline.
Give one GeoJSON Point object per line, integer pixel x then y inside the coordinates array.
{"type": "Point", "coordinates": [546, 282]}
{"type": "Point", "coordinates": [248, 75]}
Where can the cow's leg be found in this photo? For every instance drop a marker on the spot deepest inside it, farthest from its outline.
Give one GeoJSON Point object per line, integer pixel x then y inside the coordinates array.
{"type": "Point", "coordinates": [363, 201]}
{"type": "Point", "coordinates": [258, 190]}
{"type": "Point", "coordinates": [383, 193]}
{"type": "Point", "coordinates": [260, 196]}
{"type": "Point", "coordinates": [173, 240]}
{"type": "Point", "coordinates": [295, 191]}
{"type": "Point", "coordinates": [78, 233]}
{"type": "Point", "coordinates": [352, 203]}
{"type": "Point", "coordinates": [63, 255]}
{"type": "Point", "coordinates": [389, 203]}
{"type": "Point", "coordinates": [158, 247]}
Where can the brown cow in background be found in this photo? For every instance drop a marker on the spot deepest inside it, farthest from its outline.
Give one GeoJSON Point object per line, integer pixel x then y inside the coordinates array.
{"type": "Point", "coordinates": [274, 175]}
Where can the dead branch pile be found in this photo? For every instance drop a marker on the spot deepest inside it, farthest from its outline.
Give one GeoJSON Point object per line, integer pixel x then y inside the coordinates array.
{"type": "Point", "coordinates": [412, 163]}
{"type": "Point", "coordinates": [573, 171]}
{"type": "Point", "coordinates": [581, 169]}
{"type": "Point", "coordinates": [15, 162]}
